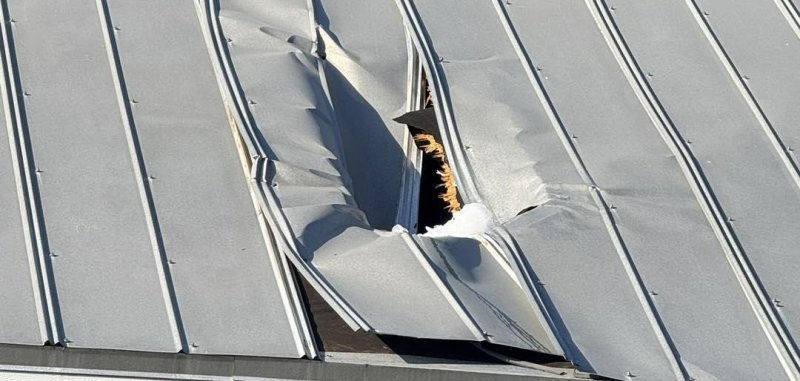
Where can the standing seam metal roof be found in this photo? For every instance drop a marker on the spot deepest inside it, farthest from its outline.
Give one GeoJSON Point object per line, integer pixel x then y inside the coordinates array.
{"type": "Point", "coordinates": [164, 162]}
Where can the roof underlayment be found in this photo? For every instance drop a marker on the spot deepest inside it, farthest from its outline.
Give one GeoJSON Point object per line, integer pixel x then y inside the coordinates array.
{"type": "Point", "coordinates": [165, 167]}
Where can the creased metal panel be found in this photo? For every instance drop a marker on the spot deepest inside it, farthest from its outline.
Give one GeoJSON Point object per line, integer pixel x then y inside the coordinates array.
{"type": "Point", "coordinates": [745, 170]}
{"type": "Point", "coordinates": [663, 227]}
{"type": "Point", "coordinates": [485, 83]}
{"type": "Point", "coordinates": [104, 263]}
{"type": "Point", "coordinates": [298, 125]}
{"type": "Point", "coordinates": [504, 124]}
{"type": "Point", "coordinates": [596, 315]}
{"type": "Point", "coordinates": [488, 291]}
{"type": "Point", "coordinates": [21, 322]}
{"type": "Point", "coordinates": [366, 63]}
{"type": "Point", "coordinates": [230, 290]}
{"type": "Point", "coordinates": [383, 280]}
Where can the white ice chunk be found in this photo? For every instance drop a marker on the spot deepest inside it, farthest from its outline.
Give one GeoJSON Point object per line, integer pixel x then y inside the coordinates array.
{"type": "Point", "coordinates": [472, 219]}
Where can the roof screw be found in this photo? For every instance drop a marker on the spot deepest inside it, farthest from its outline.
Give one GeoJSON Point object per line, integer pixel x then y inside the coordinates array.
{"type": "Point", "coordinates": [467, 147]}
{"type": "Point", "coordinates": [777, 303]}
{"type": "Point", "coordinates": [66, 341]}
{"type": "Point", "coordinates": [11, 20]}
{"type": "Point", "coordinates": [252, 102]}
{"type": "Point", "coordinates": [730, 219]}
{"type": "Point", "coordinates": [705, 13]}
{"type": "Point", "coordinates": [508, 2]}
{"type": "Point", "coordinates": [134, 101]}
{"type": "Point", "coordinates": [653, 293]}
{"type": "Point", "coordinates": [541, 283]}
{"type": "Point", "coordinates": [171, 261]}
{"type": "Point", "coordinates": [274, 185]}
{"type": "Point", "coordinates": [39, 170]}
{"type": "Point", "coordinates": [612, 206]}
{"type": "Point", "coordinates": [613, 8]}
{"type": "Point", "coordinates": [228, 40]}
{"type": "Point", "coordinates": [116, 28]}
{"type": "Point", "coordinates": [688, 141]}
{"type": "Point", "coordinates": [194, 345]}
{"type": "Point", "coordinates": [53, 254]}
{"type": "Point", "coordinates": [574, 137]}
{"type": "Point", "coordinates": [25, 93]}
{"type": "Point", "coordinates": [745, 77]}
{"type": "Point", "coordinates": [538, 68]}
{"type": "Point", "coordinates": [790, 149]}
{"type": "Point", "coordinates": [649, 74]}
{"type": "Point", "coordinates": [151, 177]}
{"type": "Point", "coordinates": [629, 374]}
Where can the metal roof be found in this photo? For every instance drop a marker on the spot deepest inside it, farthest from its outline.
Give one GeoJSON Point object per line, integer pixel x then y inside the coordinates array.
{"type": "Point", "coordinates": [167, 165]}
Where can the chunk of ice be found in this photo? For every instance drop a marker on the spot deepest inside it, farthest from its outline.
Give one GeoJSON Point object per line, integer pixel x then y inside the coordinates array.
{"type": "Point", "coordinates": [472, 219]}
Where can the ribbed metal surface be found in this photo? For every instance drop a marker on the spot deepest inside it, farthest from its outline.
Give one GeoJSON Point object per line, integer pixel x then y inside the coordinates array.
{"type": "Point", "coordinates": [160, 164]}
{"type": "Point", "coordinates": [94, 229]}
{"type": "Point", "coordinates": [380, 280]}
{"type": "Point", "coordinates": [139, 201]}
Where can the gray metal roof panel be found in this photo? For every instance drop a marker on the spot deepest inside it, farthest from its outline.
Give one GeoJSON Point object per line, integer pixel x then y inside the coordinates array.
{"type": "Point", "coordinates": [21, 319]}
{"type": "Point", "coordinates": [763, 41]}
{"type": "Point", "coordinates": [523, 131]}
{"type": "Point", "coordinates": [629, 161]}
{"type": "Point", "coordinates": [108, 288]}
{"type": "Point", "coordinates": [492, 103]}
{"type": "Point", "coordinates": [596, 314]}
{"type": "Point", "coordinates": [754, 189]}
{"type": "Point", "coordinates": [230, 287]}
{"type": "Point", "coordinates": [366, 61]}
{"type": "Point", "coordinates": [481, 282]}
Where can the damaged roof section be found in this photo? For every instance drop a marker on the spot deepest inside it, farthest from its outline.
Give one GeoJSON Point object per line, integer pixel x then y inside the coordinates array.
{"type": "Point", "coordinates": [167, 169]}
{"type": "Point", "coordinates": [326, 233]}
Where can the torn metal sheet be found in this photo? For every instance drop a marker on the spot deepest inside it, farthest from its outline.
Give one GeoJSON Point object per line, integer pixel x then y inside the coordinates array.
{"type": "Point", "coordinates": [229, 285]}
{"type": "Point", "coordinates": [103, 253]}
{"type": "Point", "coordinates": [380, 280]}
{"type": "Point", "coordinates": [366, 61]}
{"type": "Point", "coordinates": [554, 179]}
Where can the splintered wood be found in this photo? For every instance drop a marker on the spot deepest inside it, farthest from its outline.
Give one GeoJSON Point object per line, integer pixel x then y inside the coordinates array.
{"type": "Point", "coordinates": [428, 144]}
